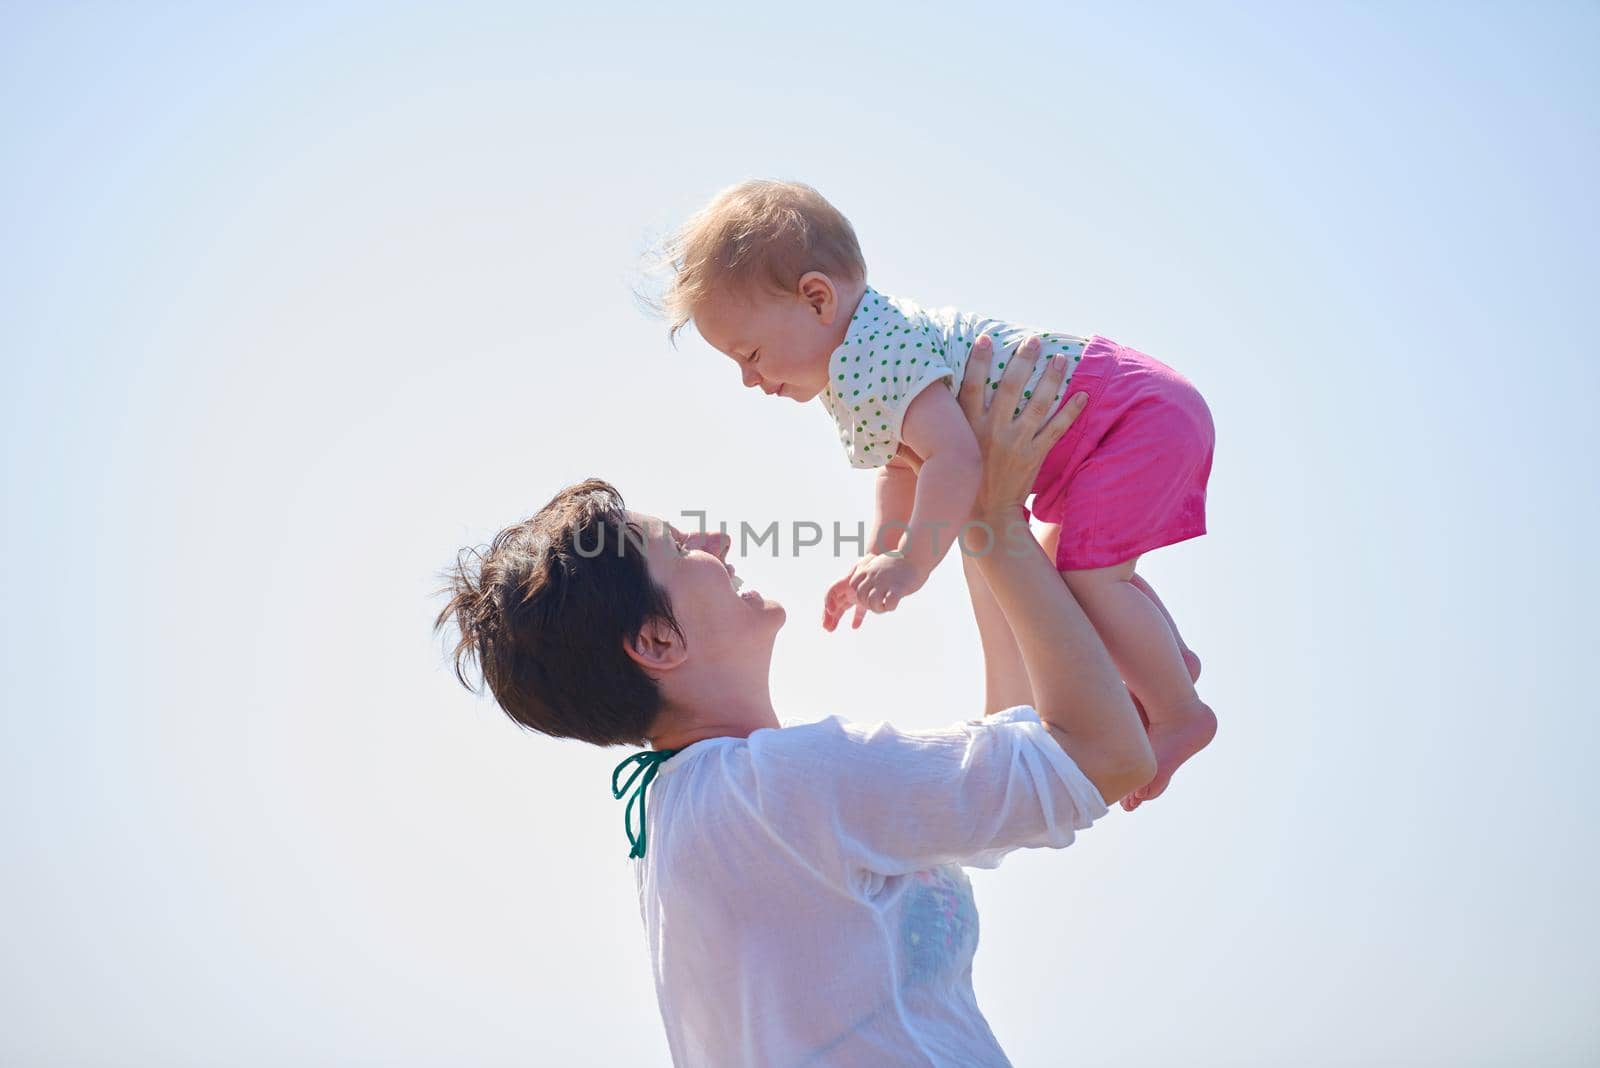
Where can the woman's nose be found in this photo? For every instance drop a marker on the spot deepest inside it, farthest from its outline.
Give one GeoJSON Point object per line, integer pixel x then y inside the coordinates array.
{"type": "Point", "coordinates": [715, 542]}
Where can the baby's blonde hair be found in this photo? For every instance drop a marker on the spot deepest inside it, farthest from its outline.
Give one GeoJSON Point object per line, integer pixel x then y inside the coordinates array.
{"type": "Point", "coordinates": [756, 233]}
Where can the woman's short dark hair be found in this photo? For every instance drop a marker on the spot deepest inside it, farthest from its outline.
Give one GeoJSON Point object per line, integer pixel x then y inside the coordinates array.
{"type": "Point", "coordinates": [545, 609]}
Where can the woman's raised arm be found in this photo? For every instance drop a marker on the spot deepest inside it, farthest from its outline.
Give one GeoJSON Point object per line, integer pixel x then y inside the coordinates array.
{"type": "Point", "coordinates": [1077, 691]}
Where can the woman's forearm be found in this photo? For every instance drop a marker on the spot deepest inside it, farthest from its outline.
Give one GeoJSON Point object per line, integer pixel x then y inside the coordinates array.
{"type": "Point", "coordinates": [1005, 676]}
{"type": "Point", "coordinates": [1076, 688]}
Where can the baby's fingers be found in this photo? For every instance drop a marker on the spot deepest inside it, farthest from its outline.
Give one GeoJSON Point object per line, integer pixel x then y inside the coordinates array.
{"type": "Point", "coordinates": [838, 598]}
{"type": "Point", "coordinates": [858, 579]}
{"type": "Point", "coordinates": [835, 610]}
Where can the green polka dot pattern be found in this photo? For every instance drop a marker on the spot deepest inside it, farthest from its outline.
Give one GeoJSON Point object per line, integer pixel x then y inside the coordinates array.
{"type": "Point", "coordinates": [906, 348]}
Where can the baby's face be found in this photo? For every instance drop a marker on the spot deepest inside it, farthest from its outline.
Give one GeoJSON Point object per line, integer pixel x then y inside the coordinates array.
{"type": "Point", "coordinates": [779, 341]}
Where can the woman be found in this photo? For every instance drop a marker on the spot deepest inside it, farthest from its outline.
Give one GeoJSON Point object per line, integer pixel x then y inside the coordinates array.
{"type": "Point", "coordinates": [801, 887]}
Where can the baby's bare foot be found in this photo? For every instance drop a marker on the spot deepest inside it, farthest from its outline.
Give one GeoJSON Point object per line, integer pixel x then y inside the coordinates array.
{"type": "Point", "coordinates": [1174, 740]}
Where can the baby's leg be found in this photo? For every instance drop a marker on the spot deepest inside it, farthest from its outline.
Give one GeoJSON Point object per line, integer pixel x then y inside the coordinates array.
{"type": "Point", "coordinates": [1190, 660]}
{"type": "Point", "coordinates": [1147, 651]}
{"type": "Point", "coordinates": [1050, 537]}
{"type": "Point", "coordinates": [1005, 677]}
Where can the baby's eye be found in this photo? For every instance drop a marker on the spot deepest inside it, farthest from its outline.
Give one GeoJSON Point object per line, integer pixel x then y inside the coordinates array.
{"type": "Point", "coordinates": [756, 355]}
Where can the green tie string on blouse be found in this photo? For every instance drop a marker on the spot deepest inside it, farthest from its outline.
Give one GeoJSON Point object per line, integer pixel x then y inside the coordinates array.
{"type": "Point", "coordinates": [648, 762]}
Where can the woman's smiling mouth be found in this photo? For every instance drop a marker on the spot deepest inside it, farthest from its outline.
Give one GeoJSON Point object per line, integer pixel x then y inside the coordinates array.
{"type": "Point", "coordinates": [748, 594]}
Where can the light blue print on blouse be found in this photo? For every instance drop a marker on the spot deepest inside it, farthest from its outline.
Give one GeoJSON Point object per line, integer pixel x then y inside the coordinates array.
{"type": "Point", "coordinates": [938, 926]}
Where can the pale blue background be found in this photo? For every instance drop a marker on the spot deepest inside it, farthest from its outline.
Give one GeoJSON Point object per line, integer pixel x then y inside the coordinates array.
{"type": "Point", "coordinates": [293, 304]}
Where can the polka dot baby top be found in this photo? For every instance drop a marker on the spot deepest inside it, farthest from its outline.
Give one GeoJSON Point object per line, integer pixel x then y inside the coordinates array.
{"type": "Point", "coordinates": [894, 349]}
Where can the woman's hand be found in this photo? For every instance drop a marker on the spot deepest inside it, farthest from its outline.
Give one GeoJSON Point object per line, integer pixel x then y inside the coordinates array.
{"type": "Point", "coordinates": [1013, 445]}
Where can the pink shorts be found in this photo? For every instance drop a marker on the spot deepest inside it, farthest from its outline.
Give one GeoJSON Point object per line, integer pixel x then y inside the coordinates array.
{"type": "Point", "coordinates": [1130, 475]}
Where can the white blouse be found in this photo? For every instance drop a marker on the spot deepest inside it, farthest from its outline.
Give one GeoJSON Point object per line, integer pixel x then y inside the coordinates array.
{"type": "Point", "coordinates": [802, 889]}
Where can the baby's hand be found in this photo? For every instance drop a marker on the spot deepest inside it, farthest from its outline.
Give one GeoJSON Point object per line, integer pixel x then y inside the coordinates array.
{"type": "Point", "coordinates": [882, 580]}
{"type": "Point", "coordinates": [877, 582]}
{"type": "Point", "coordinates": [840, 597]}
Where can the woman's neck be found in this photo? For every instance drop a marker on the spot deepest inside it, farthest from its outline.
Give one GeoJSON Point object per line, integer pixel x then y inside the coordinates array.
{"type": "Point", "coordinates": [682, 726]}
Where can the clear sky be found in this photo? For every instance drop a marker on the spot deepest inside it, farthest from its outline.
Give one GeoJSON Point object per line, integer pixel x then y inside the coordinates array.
{"type": "Point", "coordinates": [296, 302]}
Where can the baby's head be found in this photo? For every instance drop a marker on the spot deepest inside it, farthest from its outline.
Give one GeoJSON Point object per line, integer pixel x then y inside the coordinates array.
{"type": "Point", "coordinates": [769, 273]}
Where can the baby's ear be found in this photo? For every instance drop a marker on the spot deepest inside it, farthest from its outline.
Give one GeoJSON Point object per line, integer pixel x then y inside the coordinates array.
{"type": "Point", "coordinates": [657, 647]}
{"type": "Point", "coordinates": [816, 289]}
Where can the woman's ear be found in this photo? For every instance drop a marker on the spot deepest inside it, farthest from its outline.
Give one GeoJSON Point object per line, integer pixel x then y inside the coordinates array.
{"type": "Point", "coordinates": [816, 289]}
{"type": "Point", "coordinates": [657, 647]}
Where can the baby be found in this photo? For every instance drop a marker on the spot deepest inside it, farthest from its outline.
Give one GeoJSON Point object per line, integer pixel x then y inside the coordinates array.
{"type": "Point", "coordinates": [771, 275]}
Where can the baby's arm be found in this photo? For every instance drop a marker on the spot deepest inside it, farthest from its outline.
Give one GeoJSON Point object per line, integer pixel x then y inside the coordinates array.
{"type": "Point", "coordinates": [894, 495]}
{"type": "Point", "coordinates": [893, 498]}
{"type": "Point", "coordinates": [947, 483]}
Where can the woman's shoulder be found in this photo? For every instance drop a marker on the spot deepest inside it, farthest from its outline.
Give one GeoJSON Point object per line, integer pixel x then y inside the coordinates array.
{"type": "Point", "coordinates": [837, 744]}
{"type": "Point", "coordinates": [842, 732]}
{"type": "Point", "coordinates": [791, 733]}
{"type": "Point", "coordinates": [799, 741]}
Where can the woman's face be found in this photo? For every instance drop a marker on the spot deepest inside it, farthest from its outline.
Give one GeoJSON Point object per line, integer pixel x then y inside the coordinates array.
{"type": "Point", "coordinates": [718, 614]}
